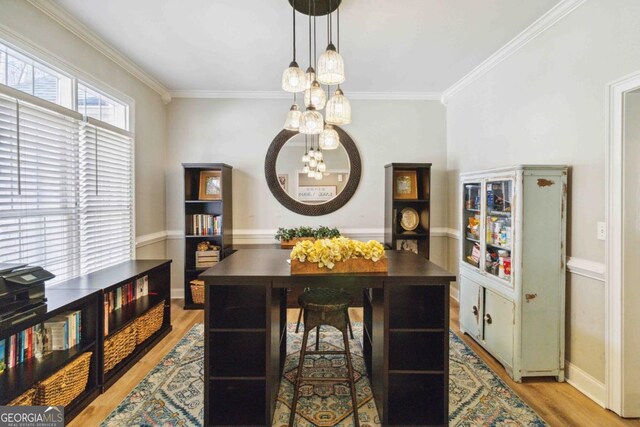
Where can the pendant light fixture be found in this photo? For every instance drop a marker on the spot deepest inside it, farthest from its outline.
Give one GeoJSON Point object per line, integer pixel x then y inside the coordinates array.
{"type": "Point", "coordinates": [330, 63]}
{"type": "Point", "coordinates": [305, 157]}
{"type": "Point", "coordinates": [329, 138]}
{"type": "Point", "coordinates": [338, 107]}
{"type": "Point", "coordinates": [330, 71]}
{"type": "Point", "coordinates": [293, 77]}
{"type": "Point", "coordinates": [293, 117]}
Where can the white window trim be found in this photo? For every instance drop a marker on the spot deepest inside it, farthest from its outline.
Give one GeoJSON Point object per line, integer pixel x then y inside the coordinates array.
{"type": "Point", "coordinates": [26, 47]}
{"type": "Point", "coordinates": [18, 42]}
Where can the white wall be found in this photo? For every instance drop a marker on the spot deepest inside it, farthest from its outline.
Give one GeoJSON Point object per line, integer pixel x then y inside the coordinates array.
{"type": "Point", "coordinates": [546, 104]}
{"type": "Point", "coordinates": [27, 26]}
{"type": "Point", "coordinates": [239, 131]}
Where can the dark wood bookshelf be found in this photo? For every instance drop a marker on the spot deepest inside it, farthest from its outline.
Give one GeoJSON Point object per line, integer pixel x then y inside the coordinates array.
{"type": "Point", "coordinates": [109, 279]}
{"type": "Point", "coordinates": [222, 207]}
{"type": "Point", "coordinates": [17, 380]}
{"type": "Point", "coordinates": [393, 231]}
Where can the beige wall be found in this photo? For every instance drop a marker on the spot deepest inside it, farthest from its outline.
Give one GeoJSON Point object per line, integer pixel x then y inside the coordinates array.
{"type": "Point", "coordinates": [631, 227]}
{"type": "Point", "coordinates": [546, 104]}
{"type": "Point", "coordinates": [26, 25]}
{"type": "Point", "coordinates": [239, 131]}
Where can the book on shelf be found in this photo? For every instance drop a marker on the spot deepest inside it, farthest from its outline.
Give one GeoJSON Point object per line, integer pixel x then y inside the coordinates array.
{"type": "Point", "coordinates": [204, 225]}
{"type": "Point", "coordinates": [123, 296]}
{"type": "Point", "coordinates": [61, 332]}
{"type": "Point", "coordinates": [3, 358]}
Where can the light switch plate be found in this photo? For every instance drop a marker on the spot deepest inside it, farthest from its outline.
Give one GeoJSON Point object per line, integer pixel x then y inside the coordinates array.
{"type": "Point", "coordinates": [602, 230]}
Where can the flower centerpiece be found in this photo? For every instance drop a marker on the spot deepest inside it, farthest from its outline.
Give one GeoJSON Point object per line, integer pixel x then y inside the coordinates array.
{"type": "Point", "coordinates": [337, 255]}
{"type": "Point", "coordinates": [288, 237]}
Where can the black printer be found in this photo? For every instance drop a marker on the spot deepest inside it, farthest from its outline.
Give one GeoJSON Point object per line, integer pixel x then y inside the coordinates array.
{"type": "Point", "coordinates": [21, 293]}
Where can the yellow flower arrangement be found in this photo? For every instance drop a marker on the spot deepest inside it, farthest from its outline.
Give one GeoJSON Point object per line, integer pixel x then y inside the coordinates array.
{"type": "Point", "coordinates": [326, 252]}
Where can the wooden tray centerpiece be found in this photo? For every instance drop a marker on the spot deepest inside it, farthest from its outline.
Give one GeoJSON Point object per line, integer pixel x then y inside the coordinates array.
{"type": "Point", "coordinates": [288, 237]}
{"type": "Point", "coordinates": [338, 255]}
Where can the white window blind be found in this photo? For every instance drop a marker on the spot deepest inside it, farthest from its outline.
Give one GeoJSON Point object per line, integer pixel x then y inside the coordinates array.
{"type": "Point", "coordinates": [66, 199]}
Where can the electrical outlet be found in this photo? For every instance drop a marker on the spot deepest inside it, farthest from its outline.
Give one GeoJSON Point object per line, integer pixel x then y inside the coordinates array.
{"type": "Point", "coordinates": [602, 231]}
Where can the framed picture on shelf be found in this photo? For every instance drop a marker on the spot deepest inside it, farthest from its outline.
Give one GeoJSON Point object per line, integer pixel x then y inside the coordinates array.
{"type": "Point", "coordinates": [407, 245]}
{"type": "Point", "coordinates": [405, 185]}
{"type": "Point", "coordinates": [210, 185]}
{"type": "Point", "coordinates": [283, 180]}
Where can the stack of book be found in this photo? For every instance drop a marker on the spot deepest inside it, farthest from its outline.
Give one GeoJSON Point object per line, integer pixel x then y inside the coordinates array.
{"type": "Point", "coordinates": [204, 225]}
{"type": "Point", "coordinates": [61, 332]}
{"type": "Point", "coordinates": [123, 296]}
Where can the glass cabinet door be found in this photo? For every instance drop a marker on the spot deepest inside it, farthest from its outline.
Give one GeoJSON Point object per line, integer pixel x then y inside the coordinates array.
{"type": "Point", "coordinates": [472, 222]}
{"type": "Point", "coordinates": [499, 228]}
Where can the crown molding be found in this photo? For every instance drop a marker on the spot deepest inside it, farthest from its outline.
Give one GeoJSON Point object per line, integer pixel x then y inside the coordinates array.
{"type": "Point", "coordinates": [257, 94]}
{"type": "Point", "coordinates": [64, 18]}
{"type": "Point", "coordinates": [546, 21]}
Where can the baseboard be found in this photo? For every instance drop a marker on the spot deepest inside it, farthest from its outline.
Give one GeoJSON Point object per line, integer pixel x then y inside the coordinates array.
{"type": "Point", "coordinates": [177, 293]}
{"type": "Point", "coordinates": [454, 294]}
{"type": "Point", "coordinates": [585, 383]}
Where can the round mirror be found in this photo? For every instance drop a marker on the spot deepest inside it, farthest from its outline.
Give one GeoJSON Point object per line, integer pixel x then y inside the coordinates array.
{"type": "Point", "coordinates": [321, 184]}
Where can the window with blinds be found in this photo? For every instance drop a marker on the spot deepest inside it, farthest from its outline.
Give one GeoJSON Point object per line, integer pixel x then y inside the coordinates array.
{"type": "Point", "coordinates": [66, 200]}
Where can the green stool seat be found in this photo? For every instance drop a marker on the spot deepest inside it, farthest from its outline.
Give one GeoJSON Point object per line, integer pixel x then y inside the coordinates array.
{"type": "Point", "coordinates": [324, 300]}
{"type": "Point", "coordinates": [325, 307]}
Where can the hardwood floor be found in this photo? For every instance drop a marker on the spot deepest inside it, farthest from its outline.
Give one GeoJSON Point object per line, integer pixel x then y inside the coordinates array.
{"type": "Point", "coordinates": [558, 403]}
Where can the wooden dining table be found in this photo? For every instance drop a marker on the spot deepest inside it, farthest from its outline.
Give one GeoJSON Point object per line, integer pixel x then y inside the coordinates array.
{"type": "Point", "coordinates": [405, 336]}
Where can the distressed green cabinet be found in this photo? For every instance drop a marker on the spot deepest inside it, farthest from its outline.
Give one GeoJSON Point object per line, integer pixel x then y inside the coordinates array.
{"type": "Point", "coordinates": [513, 267]}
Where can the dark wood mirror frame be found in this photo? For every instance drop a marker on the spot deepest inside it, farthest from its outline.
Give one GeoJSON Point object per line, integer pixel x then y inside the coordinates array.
{"type": "Point", "coordinates": [332, 205]}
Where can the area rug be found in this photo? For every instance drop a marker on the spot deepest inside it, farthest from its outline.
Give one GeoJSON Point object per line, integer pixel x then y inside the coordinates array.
{"type": "Point", "coordinates": [172, 393]}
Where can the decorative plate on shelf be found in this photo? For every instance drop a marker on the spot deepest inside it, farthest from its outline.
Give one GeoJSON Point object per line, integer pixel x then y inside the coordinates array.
{"type": "Point", "coordinates": [409, 219]}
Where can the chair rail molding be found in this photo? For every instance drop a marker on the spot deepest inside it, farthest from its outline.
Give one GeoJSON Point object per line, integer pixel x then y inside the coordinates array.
{"type": "Point", "coordinates": [66, 20]}
{"type": "Point", "coordinates": [542, 24]}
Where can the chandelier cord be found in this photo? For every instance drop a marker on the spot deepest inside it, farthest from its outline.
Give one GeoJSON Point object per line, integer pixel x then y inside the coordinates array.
{"type": "Point", "coordinates": [294, 30]}
{"type": "Point", "coordinates": [315, 38]}
{"type": "Point", "coordinates": [310, 52]}
{"type": "Point", "coordinates": [338, 23]}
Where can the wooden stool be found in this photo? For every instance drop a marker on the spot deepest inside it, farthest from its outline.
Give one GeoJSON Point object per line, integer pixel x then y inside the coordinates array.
{"type": "Point", "coordinates": [325, 307]}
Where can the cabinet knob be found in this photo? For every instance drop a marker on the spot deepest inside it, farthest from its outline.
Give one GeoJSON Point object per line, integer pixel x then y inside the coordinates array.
{"type": "Point", "coordinates": [475, 311]}
{"type": "Point", "coordinates": [487, 318]}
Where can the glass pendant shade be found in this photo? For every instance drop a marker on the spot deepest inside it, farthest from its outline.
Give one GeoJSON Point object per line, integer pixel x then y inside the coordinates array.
{"type": "Point", "coordinates": [305, 169]}
{"type": "Point", "coordinates": [293, 118]}
{"type": "Point", "coordinates": [315, 96]}
{"type": "Point", "coordinates": [305, 158]}
{"type": "Point", "coordinates": [311, 122]}
{"type": "Point", "coordinates": [338, 109]}
{"type": "Point", "coordinates": [329, 139]}
{"type": "Point", "coordinates": [313, 163]}
{"type": "Point", "coordinates": [312, 154]}
{"type": "Point", "coordinates": [319, 155]}
{"type": "Point", "coordinates": [318, 176]}
{"type": "Point", "coordinates": [293, 78]}
{"type": "Point", "coordinates": [311, 174]}
{"type": "Point", "coordinates": [309, 77]}
{"type": "Point", "coordinates": [322, 167]}
{"type": "Point", "coordinates": [330, 67]}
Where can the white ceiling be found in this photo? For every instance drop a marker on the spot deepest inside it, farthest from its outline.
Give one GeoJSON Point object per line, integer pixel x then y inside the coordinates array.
{"type": "Point", "coordinates": [243, 45]}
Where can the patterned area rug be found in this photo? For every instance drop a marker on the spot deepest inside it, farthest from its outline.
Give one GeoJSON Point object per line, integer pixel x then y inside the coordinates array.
{"type": "Point", "coordinates": [172, 393]}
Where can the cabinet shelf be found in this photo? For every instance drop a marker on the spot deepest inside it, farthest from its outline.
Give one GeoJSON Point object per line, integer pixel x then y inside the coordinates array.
{"type": "Point", "coordinates": [506, 248]}
{"type": "Point", "coordinates": [121, 317]}
{"type": "Point", "coordinates": [498, 213]}
{"type": "Point", "coordinates": [221, 208]}
{"type": "Point", "coordinates": [15, 381]}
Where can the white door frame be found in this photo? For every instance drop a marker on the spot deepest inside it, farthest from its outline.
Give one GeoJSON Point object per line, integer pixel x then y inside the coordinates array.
{"type": "Point", "coordinates": [614, 309]}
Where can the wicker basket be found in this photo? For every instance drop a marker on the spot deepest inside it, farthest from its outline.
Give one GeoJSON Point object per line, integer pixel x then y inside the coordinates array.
{"type": "Point", "coordinates": [149, 323]}
{"type": "Point", "coordinates": [118, 346]}
{"type": "Point", "coordinates": [197, 291]}
{"type": "Point", "coordinates": [65, 385]}
{"type": "Point", "coordinates": [25, 399]}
